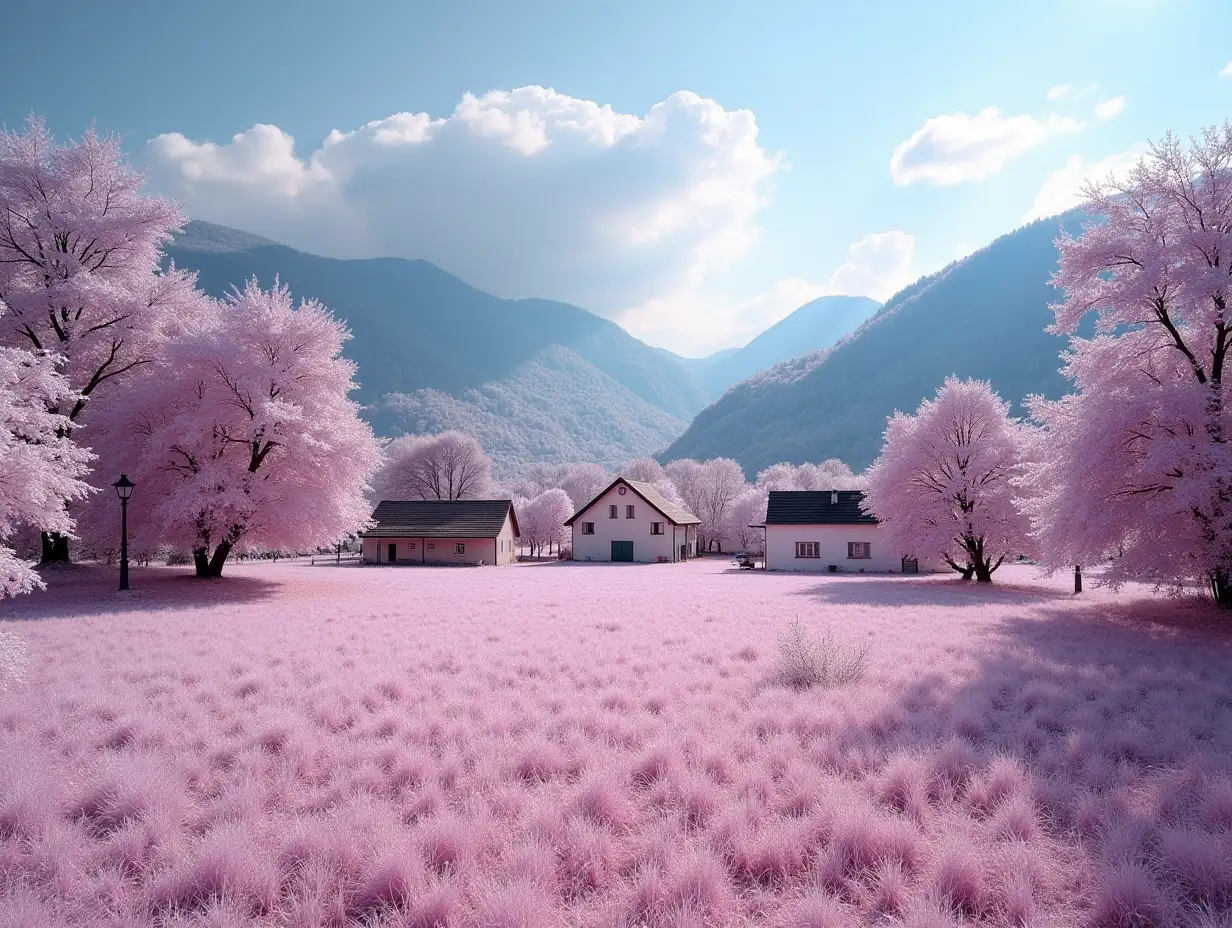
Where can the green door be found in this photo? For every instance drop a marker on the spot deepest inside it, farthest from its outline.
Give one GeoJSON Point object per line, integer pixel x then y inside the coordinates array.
{"type": "Point", "coordinates": [622, 551]}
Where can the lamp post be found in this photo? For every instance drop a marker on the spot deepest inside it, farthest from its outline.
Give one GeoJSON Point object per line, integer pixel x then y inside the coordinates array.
{"type": "Point", "coordinates": [124, 489]}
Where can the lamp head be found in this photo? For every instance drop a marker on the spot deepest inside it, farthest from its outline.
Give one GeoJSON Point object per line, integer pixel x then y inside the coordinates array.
{"type": "Point", "coordinates": [124, 487]}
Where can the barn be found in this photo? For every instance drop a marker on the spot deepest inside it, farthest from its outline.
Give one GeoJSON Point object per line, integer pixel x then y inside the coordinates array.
{"type": "Point", "coordinates": [442, 531]}
{"type": "Point", "coordinates": [632, 521]}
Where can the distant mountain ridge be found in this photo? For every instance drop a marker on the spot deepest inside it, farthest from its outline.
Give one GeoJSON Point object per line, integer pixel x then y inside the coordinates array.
{"type": "Point", "coordinates": [420, 334]}
{"type": "Point", "coordinates": [984, 316]}
{"type": "Point", "coordinates": [815, 326]}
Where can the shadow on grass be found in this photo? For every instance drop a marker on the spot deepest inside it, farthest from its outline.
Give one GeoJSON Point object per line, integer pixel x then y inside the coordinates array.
{"type": "Point", "coordinates": [935, 590]}
{"type": "Point", "coordinates": [91, 589]}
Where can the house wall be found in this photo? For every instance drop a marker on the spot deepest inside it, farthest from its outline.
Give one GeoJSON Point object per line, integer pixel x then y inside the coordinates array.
{"type": "Point", "coordinates": [433, 550]}
{"type": "Point", "coordinates": [832, 540]}
{"type": "Point", "coordinates": [506, 544]}
{"type": "Point", "coordinates": [647, 548]}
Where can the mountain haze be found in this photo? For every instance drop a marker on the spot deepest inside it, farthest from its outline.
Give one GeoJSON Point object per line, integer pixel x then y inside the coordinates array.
{"type": "Point", "coordinates": [984, 316]}
{"type": "Point", "coordinates": [816, 325]}
{"type": "Point", "coordinates": [572, 382]}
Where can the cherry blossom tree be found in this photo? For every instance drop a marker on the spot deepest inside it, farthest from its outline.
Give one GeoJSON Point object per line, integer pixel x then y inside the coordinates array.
{"type": "Point", "coordinates": [1136, 464]}
{"type": "Point", "coordinates": [708, 490]}
{"type": "Point", "coordinates": [583, 482]}
{"type": "Point", "coordinates": [450, 465]}
{"type": "Point", "coordinates": [647, 470]}
{"type": "Point", "coordinates": [79, 257]}
{"type": "Point", "coordinates": [552, 508]}
{"type": "Point", "coordinates": [945, 483]}
{"type": "Point", "coordinates": [830, 474]}
{"type": "Point", "coordinates": [41, 468]}
{"type": "Point", "coordinates": [748, 509]}
{"type": "Point", "coordinates": [245, 435]}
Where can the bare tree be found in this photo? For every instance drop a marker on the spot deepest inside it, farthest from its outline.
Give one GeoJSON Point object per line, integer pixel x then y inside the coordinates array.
{"type": "Point", "coordinates": [450, 465]}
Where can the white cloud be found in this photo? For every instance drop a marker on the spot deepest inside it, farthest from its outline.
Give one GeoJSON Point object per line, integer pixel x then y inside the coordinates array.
{"type": "Point", "coordinates": [1061, 91]}
{"type": "Point", "coordinates": [1227, 70]}
{"type": "Point", "coordinates": [1107, 109]}
{"type": "Point", "coordinates": [698, 322]}
{"type": "Point", "coordinates": [960, 147]}
{"type": "Point", "coordinates": [522, 193]}
{"type": "Point", "coordinates": [1062, 188]}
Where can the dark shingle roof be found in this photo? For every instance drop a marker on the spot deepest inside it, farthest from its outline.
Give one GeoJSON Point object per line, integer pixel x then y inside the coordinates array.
{"type": "Point", "coordinates": [673, 512]}
{"type": "Point", "coordinates": [441, 518]}
{"type": "Point", "coordinates": [815, 507]}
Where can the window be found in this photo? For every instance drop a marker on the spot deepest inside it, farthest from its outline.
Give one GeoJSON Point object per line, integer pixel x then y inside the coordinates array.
{"type": "Point", "coordinates": [808, 549]}
{"type": "Point", "coordinates": [611, 511]}
{"type": "Point", "coordinates": [656, 528]}
{"type": "Point", "coordinates": [588, 528]}
{"type": "Point", "coordinates": [459, 548]}
{"type": "Point", "coordinates": [628, 512]}
{"type": "Point", "coordinates": [859, 550]}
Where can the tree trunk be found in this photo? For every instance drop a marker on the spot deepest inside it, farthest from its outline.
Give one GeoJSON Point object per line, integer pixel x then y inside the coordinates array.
{"type": "Point", "coordinates": [210, 567]}
{"type": "Point", "coordinates": [1221, 587]}
{"type": "Point", "coordinates": [55, 548]}
{"type": "Point", "coordinates": [982, 573]}
{"type": "Point", "coordinates": [967, 572]}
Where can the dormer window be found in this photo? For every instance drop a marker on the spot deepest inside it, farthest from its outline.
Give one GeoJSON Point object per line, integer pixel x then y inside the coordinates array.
{"type": "Point", "coordinates": [834, 497]}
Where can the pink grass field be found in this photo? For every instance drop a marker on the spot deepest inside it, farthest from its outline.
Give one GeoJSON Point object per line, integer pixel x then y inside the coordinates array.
{"type": "Point", "coordinates": [604, 745]}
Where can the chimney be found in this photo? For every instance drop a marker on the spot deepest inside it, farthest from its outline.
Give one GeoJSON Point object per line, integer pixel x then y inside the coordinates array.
{"type": "Point", "coordinates": [834, 497]}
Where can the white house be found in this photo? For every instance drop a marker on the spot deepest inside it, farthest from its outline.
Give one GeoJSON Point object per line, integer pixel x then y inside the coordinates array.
{"type": "Point", "coordinates": [828, 530]}
{"type": "Point", "coordinates": [442, 531]}
{"type": "Point", "coordinates": [632, 521]}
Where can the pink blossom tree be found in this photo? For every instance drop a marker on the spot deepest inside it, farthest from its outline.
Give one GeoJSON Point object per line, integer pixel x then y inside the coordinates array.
{"type": "Point", "coordinates": [41, 468]}
{"type": "Point", "coordinates": [583, 482]}
{"type": "Point", "coordinates": [748, 509]}
{"type": "Point", "coordinates": [708, 489]}
{"type": "Point", "coordinates": [551, 509]}
{"type": "Point", "coordinates": [451, 465]}
{"type": "Point", "coordinates": [945, 483]}
{"type": "Point", "coordinates": [245, 435]}
{"type": "Point", "coordinates": [1136, 464]}
{"type": "Point", "coordinates": [830, 474]}
{"type": "Point", "coordinates": [79, 257]}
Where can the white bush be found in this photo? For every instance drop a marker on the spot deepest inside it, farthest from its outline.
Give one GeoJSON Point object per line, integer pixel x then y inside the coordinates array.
{"type": "Point", "coordinates": [806, 660]}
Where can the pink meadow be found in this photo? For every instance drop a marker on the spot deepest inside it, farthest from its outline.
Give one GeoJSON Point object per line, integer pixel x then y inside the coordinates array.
{"type": "Point", "coordinates": [596, 745]}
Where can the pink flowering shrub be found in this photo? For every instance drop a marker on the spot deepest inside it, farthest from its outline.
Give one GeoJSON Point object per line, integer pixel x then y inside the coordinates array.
{"type": "Point", "coordinates": [302, 746]}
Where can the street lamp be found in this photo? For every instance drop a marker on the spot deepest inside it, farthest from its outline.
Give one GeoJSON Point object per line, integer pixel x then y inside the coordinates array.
{"type": "Point", "coordinates": [124, 489]}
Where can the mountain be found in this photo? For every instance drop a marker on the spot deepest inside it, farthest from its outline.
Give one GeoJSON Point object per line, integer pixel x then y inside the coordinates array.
{"type": "Point", "coordinates": [816, 325]}
{"type": "Point", "coordinates": [534, 379]}
{"type": "Point", "coordinates": [983, 316]}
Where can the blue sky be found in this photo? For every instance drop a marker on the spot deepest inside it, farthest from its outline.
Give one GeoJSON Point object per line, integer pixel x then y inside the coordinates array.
{"type": "Point", "coordinates": [694, 235]}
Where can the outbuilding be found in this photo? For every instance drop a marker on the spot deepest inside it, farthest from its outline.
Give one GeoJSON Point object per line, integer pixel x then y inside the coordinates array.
{"type": "Point", "coordinates": [442, 531]}
{"type": "Point", "coordinates": [632, 521]}
{"type": "Point", "coordinates": [828, 531]}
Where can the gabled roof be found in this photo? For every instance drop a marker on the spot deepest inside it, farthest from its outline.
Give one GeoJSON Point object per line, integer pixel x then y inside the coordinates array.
{"type": "Point", "coordinates": [441, 518]}
{"type": "Point", "coordinates": [817, 507]}
{"type": "Point", "coordinates": [673, 512]}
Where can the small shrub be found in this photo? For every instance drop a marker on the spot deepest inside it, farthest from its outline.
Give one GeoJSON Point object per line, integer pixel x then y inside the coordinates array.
{"type": "Point", "coordinates": [807, 661]}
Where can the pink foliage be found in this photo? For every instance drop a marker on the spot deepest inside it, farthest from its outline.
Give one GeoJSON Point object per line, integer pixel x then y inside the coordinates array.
{"type": "Point", "coordinates": [709, 490]}
{"type": "Point", "coordinates": [41, 469]}
{"type": "Point", "coordinates": [79, 256]}
{"type": "Point", "coordinates": [353, 747]}
{"type": "Point", "coordinates": [830, 474]}
{"type": "Point", "coordinates": [542, 519]}
{"type": "Point", "coordinates": [450, 465]}
{"type": "Point", "coordinates": [748, 510]}
{"type": "Point", "coordinates": [1136, 464]}
{"type": "Point", "coordinates": [944, 485]}
{"type": "Point", "coordinates": [245, 435]}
